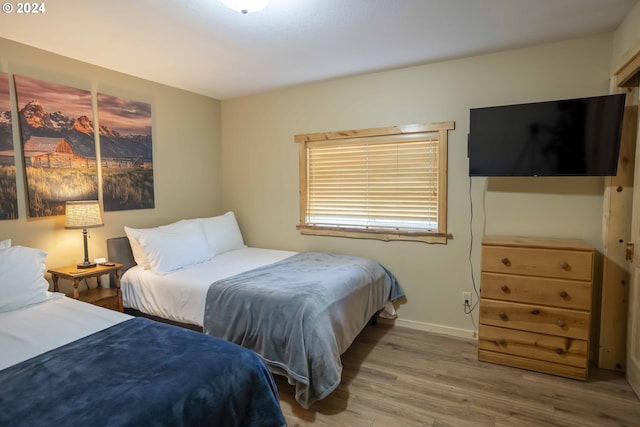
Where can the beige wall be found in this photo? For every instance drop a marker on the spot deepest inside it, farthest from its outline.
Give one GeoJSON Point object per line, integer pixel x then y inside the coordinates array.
{"type": "Point", "coordinates": [626, 37]}
{"type": "Point", "coordinates": [186, 154]}
{"type": "Point", "coordinates": [260, 169]}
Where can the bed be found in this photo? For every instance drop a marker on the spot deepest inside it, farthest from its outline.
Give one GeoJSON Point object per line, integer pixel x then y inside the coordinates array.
{"type": "Point", "coordinates": [298, 311]}
{"type": "Point", "coordinates": [66, 362]}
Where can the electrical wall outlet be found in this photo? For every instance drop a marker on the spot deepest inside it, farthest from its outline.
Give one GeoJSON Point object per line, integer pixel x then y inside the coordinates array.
{"type": "Point", "coordinates": [466, 299]}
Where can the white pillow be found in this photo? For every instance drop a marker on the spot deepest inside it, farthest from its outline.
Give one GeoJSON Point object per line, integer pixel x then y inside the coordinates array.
{"type": "Point", "coordinates": [22, 281]}
{"type": "Point", "coordinates": [223, 233]}
{"type": "Point", "coordinates": [170, 248]}
{"type": "Point", "coordinates": [4, 244]}
{"type": "Point", "coordinates": [133, 234]}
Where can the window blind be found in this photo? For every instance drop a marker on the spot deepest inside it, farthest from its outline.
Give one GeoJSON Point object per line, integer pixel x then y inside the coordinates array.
{"type": "Point", "coordinates": [389, 185]}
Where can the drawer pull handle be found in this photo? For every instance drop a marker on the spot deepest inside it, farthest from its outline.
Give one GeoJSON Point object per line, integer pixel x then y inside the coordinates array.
{"type": "Point", "coordinates": [501, 341]}
{"type": "Point", "coordinates": [535, 312]}
{"type": "Point", "coordinates": [504, 288]}
{"type": "Point", "coordinates": [559, 350]}
{"type": "Point", "coordinates": [503, 315]}
{"type": "Point", "coordinates": [563, 294]}
{"type": "Point", "coordinates": [564, 265]}
{"type": "Point", "coordinates": [561, 323]}
{"type": "Point", "coordinates": [505, 261]}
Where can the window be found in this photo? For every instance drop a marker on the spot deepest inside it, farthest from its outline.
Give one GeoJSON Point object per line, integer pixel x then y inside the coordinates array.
{"type": "Point", "coordinates": [383, 183]}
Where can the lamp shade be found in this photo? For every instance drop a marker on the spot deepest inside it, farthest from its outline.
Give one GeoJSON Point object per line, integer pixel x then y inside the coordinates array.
{"type": "Point", "coordinates": [246, 6]}
{"type": "Point", "coordinates": [83, 214]}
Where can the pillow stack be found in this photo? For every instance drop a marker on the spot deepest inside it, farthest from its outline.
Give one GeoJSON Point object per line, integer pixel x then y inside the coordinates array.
{"type": "Point", "coordinates": [22, 281]}
{"type": "Point", "coordinates": [183, 243]}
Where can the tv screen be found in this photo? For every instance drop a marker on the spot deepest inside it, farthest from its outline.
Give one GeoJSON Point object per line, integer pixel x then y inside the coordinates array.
{"type": "Point", "coordinates": [570, 137]}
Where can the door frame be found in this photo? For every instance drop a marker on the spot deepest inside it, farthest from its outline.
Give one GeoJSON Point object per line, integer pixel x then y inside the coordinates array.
{"type": "Point", "coordinates": [627, 77]}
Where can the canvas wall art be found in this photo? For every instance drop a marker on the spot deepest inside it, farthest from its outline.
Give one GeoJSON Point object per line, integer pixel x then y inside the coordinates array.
{"type": "Point", "coordinates": [58, 144]}
{"type": "Point", "coordinates": [125, 153]}
{"type": "Point", "coordinates": [8, 191]}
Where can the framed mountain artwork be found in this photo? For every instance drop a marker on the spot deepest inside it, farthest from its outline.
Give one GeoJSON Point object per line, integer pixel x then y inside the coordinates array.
{"type": "Point", "coordinates": [58, 145]}
{"type": "Point", "coordinates": [8, 192]}
{"type": "Point", "coordinates": [125, 153]}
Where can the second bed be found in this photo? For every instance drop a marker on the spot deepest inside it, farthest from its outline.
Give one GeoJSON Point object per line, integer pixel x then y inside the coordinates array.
{"type": "Point", "coordinates": [298, 311]}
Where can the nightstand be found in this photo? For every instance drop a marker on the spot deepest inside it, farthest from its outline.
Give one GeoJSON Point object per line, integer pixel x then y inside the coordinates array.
{"type": "Point", "coordinates": [104, 297]}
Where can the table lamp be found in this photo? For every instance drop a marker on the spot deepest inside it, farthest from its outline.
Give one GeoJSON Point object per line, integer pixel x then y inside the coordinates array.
{"type": "Point", "coordinates": [83, 214]}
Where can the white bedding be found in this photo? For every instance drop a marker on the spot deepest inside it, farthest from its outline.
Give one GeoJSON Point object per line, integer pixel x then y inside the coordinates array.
{"type": "Point", "coordinates": [180, 296]}
{"type": "Point", "coordinates": [59, 320]}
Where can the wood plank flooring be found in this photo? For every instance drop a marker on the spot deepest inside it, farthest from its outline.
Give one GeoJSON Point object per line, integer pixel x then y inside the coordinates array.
{"type": "Point", "coordinates": [394, 376]}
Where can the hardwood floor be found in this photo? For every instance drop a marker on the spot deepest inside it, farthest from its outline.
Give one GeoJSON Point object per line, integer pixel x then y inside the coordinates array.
{"type": "Point", "coordinates": [394, 376]}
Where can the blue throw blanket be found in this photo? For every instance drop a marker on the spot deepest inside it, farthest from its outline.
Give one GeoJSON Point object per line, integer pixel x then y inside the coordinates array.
{"type": "Point", "coordinates": [141, 373]}
{"type": "Point", "coordinates": [300, 314]}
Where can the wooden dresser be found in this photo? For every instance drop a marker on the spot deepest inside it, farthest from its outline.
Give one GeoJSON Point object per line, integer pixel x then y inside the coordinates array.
{"type": "Point", "coordinates": [535, 304]}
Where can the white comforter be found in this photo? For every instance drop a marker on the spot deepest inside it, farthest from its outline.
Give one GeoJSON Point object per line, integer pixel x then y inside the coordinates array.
{"type": "Point", "coordinates": [180, 296]}
{"type": "Point", "coordinates": [59, 320]}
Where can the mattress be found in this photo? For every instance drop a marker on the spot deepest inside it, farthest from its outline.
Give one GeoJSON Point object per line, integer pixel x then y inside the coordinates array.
{"type": "Point", "coordinates": [180, 296]}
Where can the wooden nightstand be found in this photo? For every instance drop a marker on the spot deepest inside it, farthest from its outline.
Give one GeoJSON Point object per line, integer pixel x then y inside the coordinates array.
{"type": "Point", "coordinates": [104, 297]}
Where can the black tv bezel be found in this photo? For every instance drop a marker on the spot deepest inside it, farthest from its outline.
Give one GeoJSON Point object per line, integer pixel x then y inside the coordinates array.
{"type": "Point", "coordinates": [618, 138]}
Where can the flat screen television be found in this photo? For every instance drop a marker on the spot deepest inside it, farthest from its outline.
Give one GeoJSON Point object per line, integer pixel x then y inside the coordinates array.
{"type": "Point", "coordinates": [569, 137]}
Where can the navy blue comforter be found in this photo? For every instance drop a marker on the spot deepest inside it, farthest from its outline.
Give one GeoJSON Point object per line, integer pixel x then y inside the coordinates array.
{"type": "Point", "coordinates": [141, 373]}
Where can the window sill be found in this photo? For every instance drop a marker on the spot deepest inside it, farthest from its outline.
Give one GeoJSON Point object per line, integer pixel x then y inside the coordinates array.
{"type": "Point", "coordinates": [355, 233]}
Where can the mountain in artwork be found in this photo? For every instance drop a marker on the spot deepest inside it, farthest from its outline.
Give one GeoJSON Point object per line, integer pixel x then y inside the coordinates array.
{"type": "Point", "coordinates": [79, 132]}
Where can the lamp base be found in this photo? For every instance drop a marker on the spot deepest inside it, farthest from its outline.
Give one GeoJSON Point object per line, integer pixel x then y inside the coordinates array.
{"type": "Point", "coordinates": [86, 265]}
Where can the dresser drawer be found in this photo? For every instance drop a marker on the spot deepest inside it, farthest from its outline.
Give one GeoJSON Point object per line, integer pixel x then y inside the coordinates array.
{"type": "Point", "coordinates": [537, 290]}
{"type": "Point", "coordinates": [534, 364]}
{"type": "Point", "coordinates": [535, 318]}
{"type": "Point", "coordinates": [564, 264]}
{"type": "Point", "coordinates": [567, 351]}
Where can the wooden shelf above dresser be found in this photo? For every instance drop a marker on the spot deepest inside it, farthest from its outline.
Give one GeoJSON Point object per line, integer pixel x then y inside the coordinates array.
{"type": "Point", "coordinates": [535, 304]}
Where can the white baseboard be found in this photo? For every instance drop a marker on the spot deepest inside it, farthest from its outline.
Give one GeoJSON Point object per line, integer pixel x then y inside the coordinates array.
{"type": "Point", "coordinates": [428, 327]}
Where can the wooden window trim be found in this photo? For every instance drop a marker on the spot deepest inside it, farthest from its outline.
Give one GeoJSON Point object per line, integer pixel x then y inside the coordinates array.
{"type": "Point", "coordinates": [372, 135]}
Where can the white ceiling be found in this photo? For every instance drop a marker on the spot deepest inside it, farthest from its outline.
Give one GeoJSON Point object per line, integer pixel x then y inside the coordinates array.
{"type": "Point", "coordinates": [201, 46]}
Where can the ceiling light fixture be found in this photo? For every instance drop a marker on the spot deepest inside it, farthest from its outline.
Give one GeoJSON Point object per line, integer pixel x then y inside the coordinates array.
{"type": "Point", "coordinates": [246, 6]}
